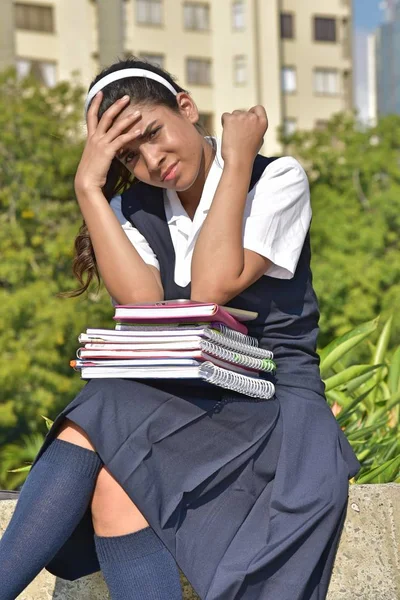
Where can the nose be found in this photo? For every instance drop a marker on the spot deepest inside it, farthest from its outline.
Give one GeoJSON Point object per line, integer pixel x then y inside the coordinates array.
{"type": "Point", "coordinates": [153, 158]}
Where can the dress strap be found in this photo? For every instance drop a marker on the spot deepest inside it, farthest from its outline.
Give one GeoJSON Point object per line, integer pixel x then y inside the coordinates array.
{"type": "Point", "coordinates": [260, 164]}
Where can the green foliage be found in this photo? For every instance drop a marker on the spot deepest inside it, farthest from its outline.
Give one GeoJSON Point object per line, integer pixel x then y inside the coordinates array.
{"type": "Point", "coordinates": [14, 455]}
{"type": "Point", "coordinates": [40, 146]}
{"type": "Point", "coordinates": [355, 191]}
{"type": "Point", "coordinates": [355, 181]}
{"type": "Point", "coordinates": [366, 399]}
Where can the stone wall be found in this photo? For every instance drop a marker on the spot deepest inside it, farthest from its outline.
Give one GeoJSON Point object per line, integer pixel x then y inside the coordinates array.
{"type": "Point", "coordinates": [367, 565]}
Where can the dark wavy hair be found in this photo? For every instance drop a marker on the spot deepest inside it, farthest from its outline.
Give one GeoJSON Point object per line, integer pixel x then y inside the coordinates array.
{"type": "Point", "coordinates": [119, 178]}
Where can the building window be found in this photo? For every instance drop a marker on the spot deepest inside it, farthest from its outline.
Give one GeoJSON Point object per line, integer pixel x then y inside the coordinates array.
{"type": "Point", "coordinates": [45, 72]}
{"type": "Point", "coordinates": [198, 71]}
{"type": "Point", "coordinates": [240, 69]}
{"type": "Point", "coordinates": [238, 20]}
{"type": "Point", "coordinates": [149, 12]}
{"type": "Point", "coordinates": [287, 26]}
{"type": "Point", "coordinates": [321, 124]}
{"type": "Point", "coordinates": [206, 120]}
{"type": "Point", "coordinates": [289, 126]}
{"type": "Point", "coordinates": [324, 29]}
{"type": "Point", "coordinates": [326, 82]}
{"type": "Point", "coordinates": [196, 16]}
{"type": "Point", "coordinates": [155, 59]}
{"type": "Point", "coordinates": [33, 17]}
{"type": "Point", "coordinates": [289, 80]}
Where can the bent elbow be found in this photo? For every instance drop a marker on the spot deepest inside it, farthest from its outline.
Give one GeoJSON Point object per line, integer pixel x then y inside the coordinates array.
{"type": "Point", "coordinates": [139, 297]}
{"type": "Point", "coordinates": [211, 293]}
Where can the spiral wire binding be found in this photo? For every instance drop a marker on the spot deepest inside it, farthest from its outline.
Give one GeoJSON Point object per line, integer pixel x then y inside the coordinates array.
{"type": "Point", "coordinates": [244, 344]}
{"type": "Point", "coordinates": [236, 336]}
{"type": "Point", "coordinates": [220, 334]}
{"type": "Point", "coordinates": [260, 364]}
{"type": "Point", "coordinates": [256, 388]}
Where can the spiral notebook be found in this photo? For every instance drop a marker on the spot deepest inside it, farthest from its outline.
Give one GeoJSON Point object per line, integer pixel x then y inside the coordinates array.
{"type": "Point", "coordinates": [178, 348]}
{"type": "Point", "coordinates": [219, 334]}
{"type": "Point", "coordinates": [207, 371]}
{"type": "Point", "coordinates": [194, 359]}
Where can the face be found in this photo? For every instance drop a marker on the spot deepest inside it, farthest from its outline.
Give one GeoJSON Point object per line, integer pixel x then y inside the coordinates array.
{"type": "Point", "coordinates": [167, 151]}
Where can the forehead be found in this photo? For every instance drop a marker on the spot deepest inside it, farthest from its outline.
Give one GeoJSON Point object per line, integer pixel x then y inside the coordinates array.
{"type": "Point", "coordinates": [148, 113]}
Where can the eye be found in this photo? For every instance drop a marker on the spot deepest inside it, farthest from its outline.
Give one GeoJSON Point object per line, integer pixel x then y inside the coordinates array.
{"type": "Point", "coordinates": [130, 157]}
{"type": "Point", "coordinates": [152, 134]}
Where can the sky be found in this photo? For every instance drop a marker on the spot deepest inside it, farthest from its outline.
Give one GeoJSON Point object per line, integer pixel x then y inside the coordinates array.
{"type": "Point", "coordinates": [367, 16]}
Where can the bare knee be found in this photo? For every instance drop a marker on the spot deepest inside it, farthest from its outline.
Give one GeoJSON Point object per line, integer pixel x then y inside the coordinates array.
{"type": "Point", "coordinates": [113, 512]}
{"type": "Point", "coordinates": [70, 432]}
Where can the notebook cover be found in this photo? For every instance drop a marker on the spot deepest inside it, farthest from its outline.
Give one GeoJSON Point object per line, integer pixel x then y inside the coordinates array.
{"type": "Point", "coordinates": [193, 358]}
{"type": "Point", "coordinates": [157, 355]}
{"type": "Point", "coordinates": [218, 315]}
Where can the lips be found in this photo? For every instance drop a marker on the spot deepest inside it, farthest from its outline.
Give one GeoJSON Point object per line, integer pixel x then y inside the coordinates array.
{"type": "Point", "coordinates": [169, 173]}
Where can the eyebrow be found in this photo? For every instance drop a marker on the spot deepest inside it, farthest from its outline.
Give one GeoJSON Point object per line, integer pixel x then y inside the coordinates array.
{"type": "Point", "coordinates": [140, 137]}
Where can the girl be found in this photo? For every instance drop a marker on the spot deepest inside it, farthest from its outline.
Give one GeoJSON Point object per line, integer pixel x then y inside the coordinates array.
{"type": "Point", "coordinates": [247, 496]}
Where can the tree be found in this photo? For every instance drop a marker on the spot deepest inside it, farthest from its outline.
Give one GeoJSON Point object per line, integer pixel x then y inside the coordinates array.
{"type": "Point", "coordinates": [40, 147]}
{"type": "Point", "coordinates": [355, 183]}
{"type": "Point", "coordinates": [355, 189]}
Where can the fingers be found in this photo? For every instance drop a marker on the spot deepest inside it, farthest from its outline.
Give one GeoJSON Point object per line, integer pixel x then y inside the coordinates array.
{"type": "Point", "coordinates": [123, 123]}
{"type": "Point", "coordinates": [92, 119]}
{"type": "Point", "coordinates": [259, 111]}
{"type": "Point", "coordinates": [107, 119]}
{"type": "Point", "coordinates": [124, 139]}
{"type": "Point", "coordinates": [92, 114]}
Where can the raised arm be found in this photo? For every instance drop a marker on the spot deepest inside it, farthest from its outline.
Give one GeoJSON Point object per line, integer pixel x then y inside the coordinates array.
{"type": "Point", "coordinates": [126, 276]}
{"type": "Point", "coordinates": [221, 267]}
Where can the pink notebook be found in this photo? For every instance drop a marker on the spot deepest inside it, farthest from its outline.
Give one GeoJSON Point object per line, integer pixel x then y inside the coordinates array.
{"type": "Point", "coordinates": [97, 358]}
{"type": "Point", "coordinates": [184, 311]}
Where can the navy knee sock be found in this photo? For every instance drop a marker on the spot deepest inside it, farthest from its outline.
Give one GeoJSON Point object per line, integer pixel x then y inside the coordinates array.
{"type": "Point", "coordinates": [53, 500]}
{"type": "Point", "coordinates": [137, 566]}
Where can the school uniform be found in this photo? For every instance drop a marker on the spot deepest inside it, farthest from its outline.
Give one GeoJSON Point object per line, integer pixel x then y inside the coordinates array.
{"type": "Point", "coordinates": [248, 495]}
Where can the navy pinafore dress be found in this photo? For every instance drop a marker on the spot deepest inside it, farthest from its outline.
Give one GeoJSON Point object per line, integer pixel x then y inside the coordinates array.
{"type": "Point", "coordinates": [248, 495]}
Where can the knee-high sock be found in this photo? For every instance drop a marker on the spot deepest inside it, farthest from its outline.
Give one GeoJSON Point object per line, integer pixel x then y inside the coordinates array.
{"type": "Point", "coordinates": [53, 500]}
{"type": "Point", "coordinates": [138, 566]}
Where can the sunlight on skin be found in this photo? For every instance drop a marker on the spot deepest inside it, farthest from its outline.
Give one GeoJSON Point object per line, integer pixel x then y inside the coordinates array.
{"type": "Point", "coordinates": [168, 151]}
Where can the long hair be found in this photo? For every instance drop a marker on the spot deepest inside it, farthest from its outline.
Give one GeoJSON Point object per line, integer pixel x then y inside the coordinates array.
{"type": "Point", "coordinates": [119, 178]}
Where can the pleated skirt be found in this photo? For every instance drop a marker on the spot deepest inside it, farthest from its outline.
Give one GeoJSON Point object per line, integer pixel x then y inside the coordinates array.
{"type": "Point", "coordinates": [249, 496]}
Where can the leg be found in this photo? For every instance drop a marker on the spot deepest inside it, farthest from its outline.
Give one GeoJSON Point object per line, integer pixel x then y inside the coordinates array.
{"type": "Point", "coordinates": [113, 512]}
{"type": "Point", "coordinates": [134, 562]}
{"type": "Point", "coordinates": [72, 433]}
{"type": "Point", "coordinates": [52, 502]}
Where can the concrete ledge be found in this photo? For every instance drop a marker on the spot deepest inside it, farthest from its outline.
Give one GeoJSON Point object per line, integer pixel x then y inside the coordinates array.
{"type": "Point", "coordinates": [367, 565]}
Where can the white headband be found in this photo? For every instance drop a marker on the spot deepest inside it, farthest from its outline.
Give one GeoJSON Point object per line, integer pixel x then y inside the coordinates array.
{"type": "Point", "coordinates": [122, 74]}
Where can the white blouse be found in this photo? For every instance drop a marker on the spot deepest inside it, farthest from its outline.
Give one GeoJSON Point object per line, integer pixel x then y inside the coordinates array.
{"type": "Point", "coordinates": [277, 217]}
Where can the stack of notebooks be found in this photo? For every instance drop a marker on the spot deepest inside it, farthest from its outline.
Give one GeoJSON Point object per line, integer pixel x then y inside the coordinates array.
{"type": "Point", "coordinates": [178, 340]}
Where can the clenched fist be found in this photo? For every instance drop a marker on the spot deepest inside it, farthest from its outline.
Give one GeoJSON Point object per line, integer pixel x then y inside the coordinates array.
{"type": "Point", "coordinates": [243, 134]}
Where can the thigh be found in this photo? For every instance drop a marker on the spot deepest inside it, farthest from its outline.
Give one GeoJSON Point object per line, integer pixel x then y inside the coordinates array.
{"type": "Point", "coordinates": [72, 433]}
{"type": "Point", "coordinates": [113, 512]}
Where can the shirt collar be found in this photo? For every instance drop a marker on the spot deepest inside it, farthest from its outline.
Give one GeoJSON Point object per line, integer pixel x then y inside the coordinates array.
{"type": "Point", "coordinates": [173, 206]}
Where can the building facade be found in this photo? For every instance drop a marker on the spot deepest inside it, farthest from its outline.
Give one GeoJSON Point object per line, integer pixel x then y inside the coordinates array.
{"type": "Point", "coordinates": [372, 108]}
{"type": "Point", "coordinates": [387, 66]}
{"type": "Point", "coordinates": [293, 57]}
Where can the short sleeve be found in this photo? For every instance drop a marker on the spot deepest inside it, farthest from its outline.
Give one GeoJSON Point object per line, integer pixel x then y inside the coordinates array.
{"type": "Point", "coordinates": [136, 238]}
{"type": "Point", "coordinates": [278, 216]}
